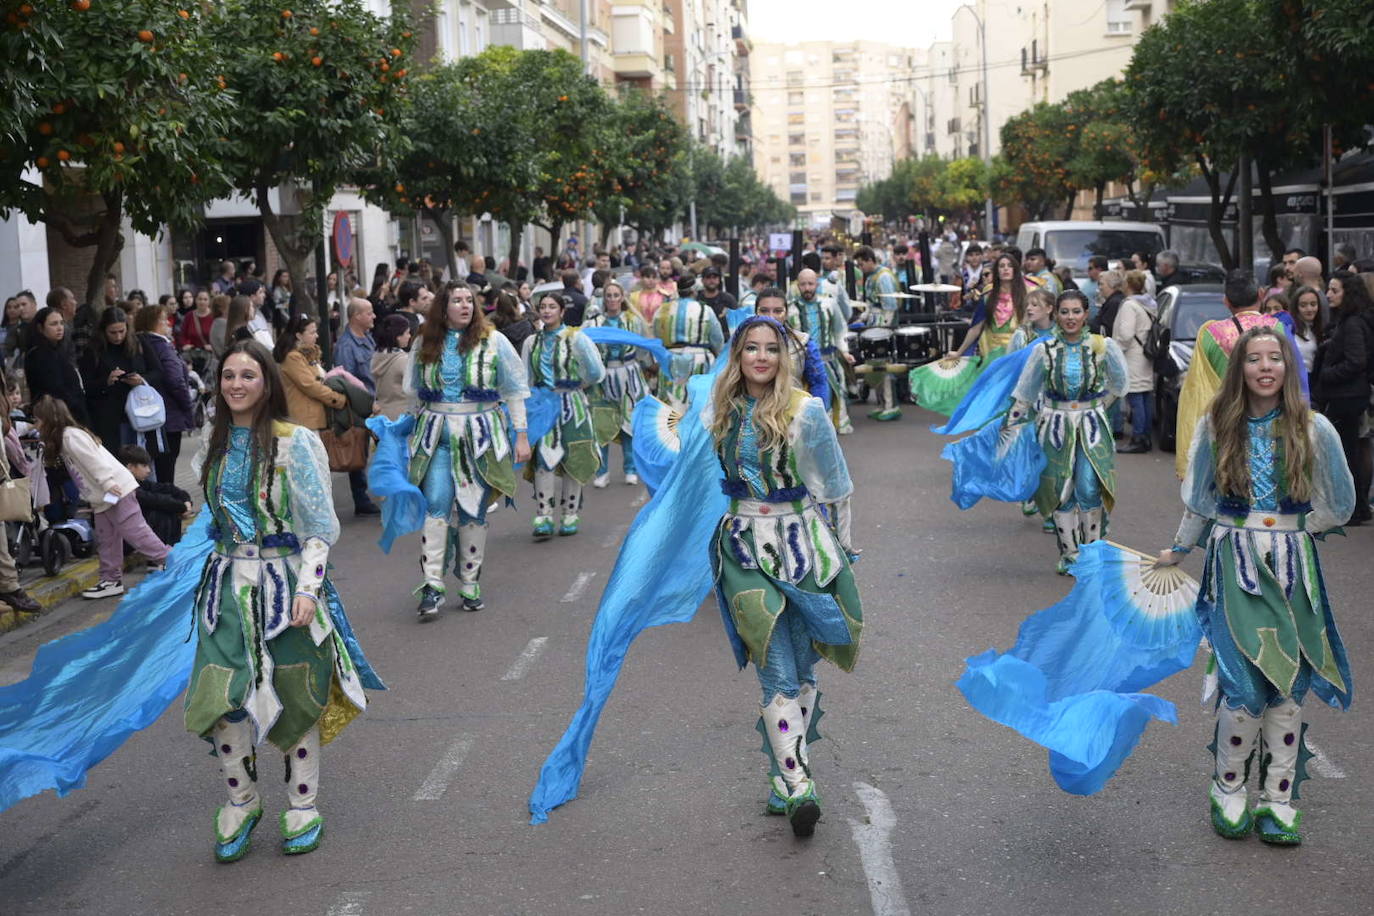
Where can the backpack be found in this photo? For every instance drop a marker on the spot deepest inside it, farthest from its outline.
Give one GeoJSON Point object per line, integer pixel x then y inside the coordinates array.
{"type": "Point", "coordinates": [145, 409]}
{"type": "Point", "coordinates": [1155, 346]}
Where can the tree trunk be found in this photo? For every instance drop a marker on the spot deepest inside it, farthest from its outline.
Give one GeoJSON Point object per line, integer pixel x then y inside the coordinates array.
{"type": "Point", "coordinates": [1097, 204]}
{"type": "Point", "coordinates": [440, 217]}
{"type": "Point", "coordinates": [555, 237]}
{"type": "Point", "coordinates": [109, 242]}
{"type": "Point", "coordinates": [1217, 209]}
{"type": "Point", "coordinates": [517, 235]}
{"type": "Point", "coordinates": [1269, 223]}
{"type": "Point", "coordinates": [295, 243]}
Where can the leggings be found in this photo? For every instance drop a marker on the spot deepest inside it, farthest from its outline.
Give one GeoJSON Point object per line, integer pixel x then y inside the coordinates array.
{"type": "Point", "coordinates": [440, 493]}
{"type": "Point", "coordinates": [1087, 490]}
{"type": "Point", "coordinates": [791, 658]}
{"type": "Point", "coordinates": [627, 446]}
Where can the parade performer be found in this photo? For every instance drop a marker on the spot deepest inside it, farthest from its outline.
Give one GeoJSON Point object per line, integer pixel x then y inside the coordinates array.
{"type": "Point", "coordinates": [808, 368]}
{"type": "Point", "coordinates": [880, 289]}
{"type": "Point", "coordinates": [833, 278]}
{"type": "Point", "coordinates": [1065, 388]}
{"type": "Point", "coordinates": [1212, 353]}
{"type": "Point", "coordinates": [692, 331]}
{"type": "Point", "coordinates": [564, 361]}
{"type": "Point", "coordinates": [276, 659]}
{"type": "Point", "coordinates": [821, 318]}
{"type": "Point", "coordinates": [460, 450]}
{"type": "Point", "coordinates": [994, 324]}
{"type": "Point", "coordinates": [613, 403]}
{"type": "Point", "coordinates": [780, 570]}
{"type": "Point", "coordinates": [1266, 478]}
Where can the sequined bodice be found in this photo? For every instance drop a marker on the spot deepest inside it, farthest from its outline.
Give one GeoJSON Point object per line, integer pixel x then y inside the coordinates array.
{"type": "Point", "coordinates": [549, 341]}
{"type": "Point", "coordinates": [453, 367]}
{"type": "Point", "coordinates": [235, 482]}
{"type": "Point", "coordinates": [1264, 462]}
{"type": "Point", "coordinates": [748, 451]}
{"type": "Point", "coordinates": [616, 351]}
{"type": "Point", "coordinates": [1072, 371]}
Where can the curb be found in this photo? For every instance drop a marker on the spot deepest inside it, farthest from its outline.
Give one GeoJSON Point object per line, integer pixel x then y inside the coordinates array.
{"type": "Point", "coordinates": [51, 591]}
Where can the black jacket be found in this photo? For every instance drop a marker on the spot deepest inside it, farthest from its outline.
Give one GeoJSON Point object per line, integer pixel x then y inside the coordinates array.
{"type": "Point", "coordinates": [1106, 316]}
{"type": "Point", "coordinates": [517, 331]}
{"type": "Point", "coordinates": [1345, 361]}
{"type": "Point", "coordinates": [105, 399]}
{"type": "Point", "coordinates": [50, 371]}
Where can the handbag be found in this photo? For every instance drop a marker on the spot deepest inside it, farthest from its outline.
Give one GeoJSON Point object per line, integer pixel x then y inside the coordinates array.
{"type": "Point", "coordinates": [16, 500]}
{"type": "Point", "coordinates": [347, 450]}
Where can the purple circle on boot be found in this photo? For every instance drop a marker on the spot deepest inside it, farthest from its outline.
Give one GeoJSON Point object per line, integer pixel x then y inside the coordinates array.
{"type": "Point", "coordinates": [1235, 739]}
{"type": "Point", "coordinates": [1283, 785]}
{"type": "Point", "coordinates": [225, 749]}
{"type": "Point", "coordinates": [233, 783]}
{"type": "Point", "coordinates": [782, 725]}
{"type": "Point", "coordinates": [790, 763]}
{"type": "Point", "coordinates": [1229, 777]}
{"type": "Point", "coordinates": [1288, 738]}
{"type": "Point", "coordinates": [302, 788]}
{"type": "Point", "coordinates": [300, 752]}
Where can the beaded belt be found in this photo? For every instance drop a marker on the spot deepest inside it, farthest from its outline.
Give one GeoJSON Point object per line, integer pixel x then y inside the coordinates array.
{"type": "Point", "coordinates": [1084, 404]}
{"type": "Point", "coordinates": [757, 508]}
{"type": "Point", "coordinates": [1265, 521]}
{"type": "Point", "coordinates": [460, 407]}
{"type": "Point", "coordinates": [254, 552]}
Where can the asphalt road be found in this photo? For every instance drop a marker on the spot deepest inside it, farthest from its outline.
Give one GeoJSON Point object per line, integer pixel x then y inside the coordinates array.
{"type": "Point", "coordinates": [929, 807]}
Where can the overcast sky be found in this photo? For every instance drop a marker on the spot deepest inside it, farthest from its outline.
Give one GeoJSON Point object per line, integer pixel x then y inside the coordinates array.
{"type": "Point", "coordinates": [906, 24]}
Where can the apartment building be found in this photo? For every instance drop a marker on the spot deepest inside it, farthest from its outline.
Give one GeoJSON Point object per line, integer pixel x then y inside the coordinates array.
{"type": "Point", "coordinates": [830, 116]}
{"type": "Point", "coordinates": [707, 47]}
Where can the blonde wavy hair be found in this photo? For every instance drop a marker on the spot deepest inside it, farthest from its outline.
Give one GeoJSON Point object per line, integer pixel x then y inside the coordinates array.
{"type": "Point", "coordinates": [1230, 409]}
{"type": "Point", "coordinates": [728, 396]}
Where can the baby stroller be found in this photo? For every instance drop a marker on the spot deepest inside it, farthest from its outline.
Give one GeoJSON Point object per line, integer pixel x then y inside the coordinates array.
{"type": "Point", "coordinates": [50, 544]}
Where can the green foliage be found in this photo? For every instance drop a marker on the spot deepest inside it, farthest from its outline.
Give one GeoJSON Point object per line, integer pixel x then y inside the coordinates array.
{"type": "Point", "coordinates": [928, 185]}
{"type": "Point", "coordinates": [1327, 53]}
{"type": "Point", "coordinates": [113, 99]}
{"type": "Point", "coordinates": [647, 165]}
{"type": "Point", "coordinates": [1037, 146]}
{"type": "Point", "coordinates": [318, 88]}
{"type": "Point", "coordinates": [729, 196]}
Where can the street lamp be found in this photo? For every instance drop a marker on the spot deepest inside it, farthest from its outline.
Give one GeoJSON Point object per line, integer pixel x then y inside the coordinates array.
{"type": "Point", "coordinates": [986, 115]}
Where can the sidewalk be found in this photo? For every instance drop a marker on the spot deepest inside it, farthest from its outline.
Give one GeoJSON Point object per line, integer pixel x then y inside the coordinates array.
{"type": "Point", "coordinates": [78, 575]}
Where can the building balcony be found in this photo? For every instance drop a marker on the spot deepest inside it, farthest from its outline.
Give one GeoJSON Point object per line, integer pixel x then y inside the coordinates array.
{"type": "Point", "coordinates": [742, 44]}
{"type": "Point", "coordinates": [1141, 5]}
{"type": "Point", "coordinates": [635, 65]}
{"type": "Point", "coordinates": [743, 102]}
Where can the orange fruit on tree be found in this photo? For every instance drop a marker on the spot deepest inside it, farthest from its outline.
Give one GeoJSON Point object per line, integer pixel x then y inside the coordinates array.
{"type": "Point", "coordinates": [145, 36]}
{"type": "Point", "coordinates": [395, 52]}
{"type": "Point", "coordinates": [314, 30]}
{"type": "Point", "coordinates": [59, 108]}
{"type": "Point", "coordinates": [26, 9]}
{"type": "Point", "coordinates": [386, 67]}
{"type": "Point", "coordinates": [80, 5]}
{"type": "Point", "coordinates": [118, 147]}
{"type": "Point", "coordinates": [45, 128]}
{"type": "Point", "coordinates": [63, 155]}
{"type": "Point", "coordinates": [317, 60]}
{"type": "Point", "coordinates": [286, 14]}
{"type": "Point", "coordinates": [400, 73]}
{"type": "Point", "coordinates": [278, 56]}
{"type": "Point", "coordinates": [184, 14]}
{"type": "Point", "coordinates": [42, 162]}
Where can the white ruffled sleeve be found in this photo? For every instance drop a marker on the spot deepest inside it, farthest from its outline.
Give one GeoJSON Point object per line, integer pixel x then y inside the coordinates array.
{"type": "Point", "coordinates": [511, 379]}
{"type": "Point", "coordinates": [312, 508]}
{"type": "Point", "coordinates": [819, 458]}
{"type": "Point", "coordinates": [1199, 488]}
{"type": "Point", "coordinates": [1333, 489]}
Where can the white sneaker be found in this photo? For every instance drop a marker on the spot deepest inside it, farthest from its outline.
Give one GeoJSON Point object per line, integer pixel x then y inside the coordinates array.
{"type": "Point", "coordinates": [601, 481]}
{"type": "Point", "coordinates": [631, 480]}
{"type": "Point", "coordinates": [105, 588]}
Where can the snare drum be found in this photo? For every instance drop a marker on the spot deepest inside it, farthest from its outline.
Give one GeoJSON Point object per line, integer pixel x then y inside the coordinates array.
{"type": "Point", "coordinates": [875, 345]}
{"type": "Point", "coordinates": [851, 343]}
{"type": "Point", "coordinates": [912, 344]}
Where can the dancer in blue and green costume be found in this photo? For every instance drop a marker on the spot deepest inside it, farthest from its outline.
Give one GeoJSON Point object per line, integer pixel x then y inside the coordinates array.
{"type": "Point", "coordinates": [564, 361]}
{"type": "Point", "coordinates": [276, 659]}
{"type": "Point", "coordinates": [782, 566]}
{"type": "Point", "coordinates": [693, 334]}
{"type": "Point", "coordinates": [820, 317]}
{"type": "Point", "coordinates": [1266, 479]}
{"type": "Point", "coordinates": [613, 403]}
{"type": "Point", "coordinates": [463, 449]}
{"type": "Point", "coordinates": [880, 294]}
{"type": "Point", "coordinates": [1068, 383]}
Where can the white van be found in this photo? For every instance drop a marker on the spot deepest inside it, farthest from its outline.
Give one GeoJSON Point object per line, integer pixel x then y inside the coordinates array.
{"type": "Point", "coordinates": [1072, 242]}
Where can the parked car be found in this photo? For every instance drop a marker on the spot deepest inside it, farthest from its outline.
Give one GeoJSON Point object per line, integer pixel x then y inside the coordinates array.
{"type": "Point", "coordinates": [1073, 242]}
{"type": "Point", "coordinates": [1182, 311]}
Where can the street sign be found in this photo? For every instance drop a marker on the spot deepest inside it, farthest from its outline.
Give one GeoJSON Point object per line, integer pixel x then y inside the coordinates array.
{"type": "Point", "coordinates": [779, 241]}
{"type": "Point", "coordinates": [343, 239]}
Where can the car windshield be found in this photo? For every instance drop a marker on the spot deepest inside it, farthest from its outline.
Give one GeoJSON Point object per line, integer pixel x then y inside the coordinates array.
{"type": "Point", "coordinates": [1074, 246]}
{"type": "Point", "coordinates": [1191, 312]}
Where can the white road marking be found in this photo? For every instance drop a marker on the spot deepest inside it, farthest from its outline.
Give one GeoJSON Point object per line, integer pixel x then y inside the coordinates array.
{"type": "Point", "coordinates": [436, 783]}
{"type": "Point", "coordinates": [350, 903]}
{"type": "Point", "coordinates": [614, 537]}
{"type": "Point", "coordinates": [875, 852]}
{"type": "Point", "coordinates": [522, 664]}
{"type": "Point", "coordinates": [1321, 764]}
{"type": "Point", "coordinates": [579, 585]}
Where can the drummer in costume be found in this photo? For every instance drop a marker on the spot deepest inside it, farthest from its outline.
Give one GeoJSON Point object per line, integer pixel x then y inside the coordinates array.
{"type": "Point", "coordinates": [564, 361]}
{"type": "Point", "coordinates": [692, 331]}
{"type": "Point", "coordinates": [833, 280]}
{"type": "Point", "coordinates": [820, 317]}
{"type": "Point", "coordinates": [621, 388]}
{"type": "Point", "coordinates": [880, 292]}
{"type": "Point", "coordinates": [1266, 478]}
{"type": "Point", "coordinates": [461, 454]}
{"type": "Point", "coordinates": [275, 657]}
{"type": "Point", "coordinates": [808, 367]}
{"type": "Point", "coordinates": [1065, 388]}
{"type": "Point", "coordinates": [786, 591]}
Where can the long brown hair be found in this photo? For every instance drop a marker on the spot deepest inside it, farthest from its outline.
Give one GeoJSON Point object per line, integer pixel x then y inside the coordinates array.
{"type": "Point", "coordinates": [1229, 411]}
{"type": "Point", "coordinates": [728, 394]}
{"type": "Point", "coordinates": [436, 324]}
{"type": "Point", "coordinates": [1018, 287]}
{"type": "Point", "coordinates": [272, 407]}
{"type": "Point", "coordinates": [54, 417]}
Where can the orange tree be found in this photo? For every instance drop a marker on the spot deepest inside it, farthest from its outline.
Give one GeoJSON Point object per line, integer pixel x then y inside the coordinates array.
{"type": "Point", "coordinates": [645, 173]}
{"type": "Point", "coordinates": [318, 85]}
{"type": "Point", "coordinates": [1033, 167]}
{"type": "Point", "coordinates": [111, 111]}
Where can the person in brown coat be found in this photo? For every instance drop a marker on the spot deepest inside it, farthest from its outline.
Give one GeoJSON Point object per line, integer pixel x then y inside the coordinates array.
{"type": "Point", "coordinates": [299, 359]}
